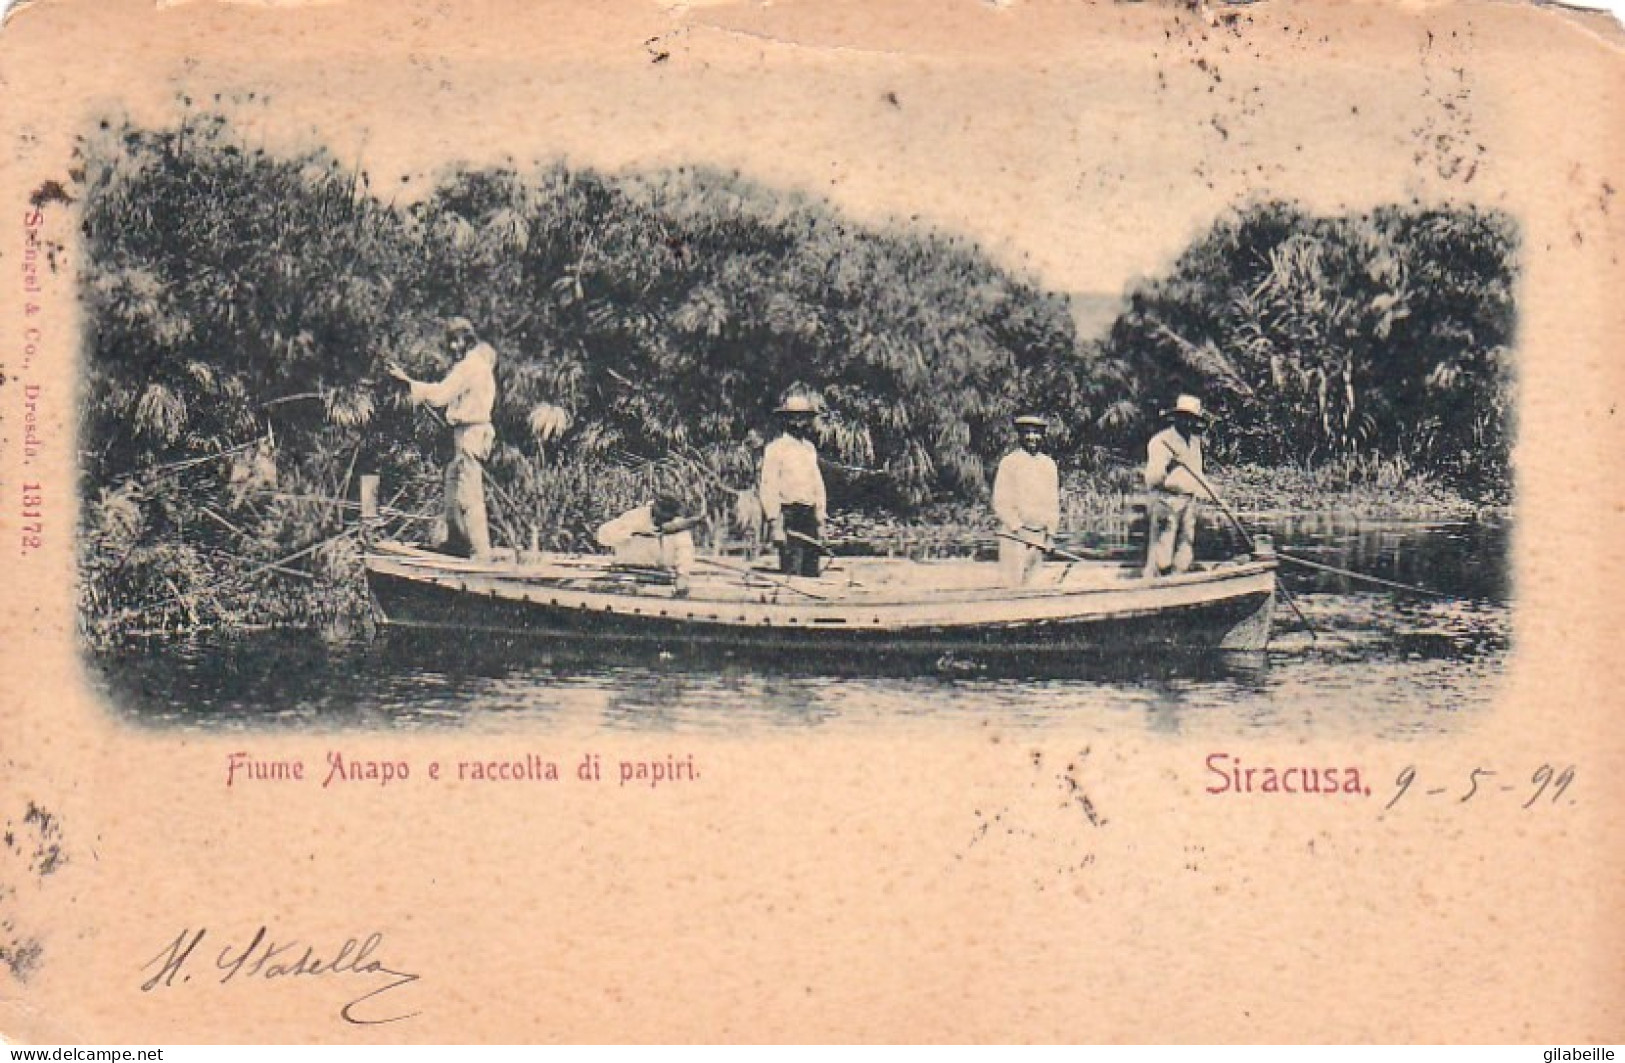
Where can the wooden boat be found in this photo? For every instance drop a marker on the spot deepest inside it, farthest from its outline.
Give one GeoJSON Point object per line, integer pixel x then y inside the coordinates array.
{"type": "Point", "coordinates": [860, 604]}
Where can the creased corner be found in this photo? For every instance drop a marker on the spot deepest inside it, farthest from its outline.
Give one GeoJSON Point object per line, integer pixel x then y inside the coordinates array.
{"type": "Point", "coordinates": [1604, 18]}
{"type": "Point", "coordinates": [9, 9]}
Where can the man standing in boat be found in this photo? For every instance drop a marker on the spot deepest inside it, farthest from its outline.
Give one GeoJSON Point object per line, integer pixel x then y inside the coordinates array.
{"type": "Point", "coordinates": [792, 489]}
{"type": "Point", "coordinates": [467, 394]}
{"type": "Point", "coordinates": [1027, 502]}
{"type": "Point", "coordinates": [1172, 457]}
{"type": "Point", "coordinates": [656, 535]}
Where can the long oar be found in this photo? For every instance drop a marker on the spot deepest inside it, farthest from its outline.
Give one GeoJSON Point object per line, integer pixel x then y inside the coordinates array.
{"type": "Point", "coordinates": [810, 541]}
{"type": "Point", "coordinates": [750, 573]}
{"type": "Point", "coordinates": [1379, 581]}
{"type": "Point", "coordinates": [1318, 566]}
{"type": "Point", "coordinates": [1246, 536]}
{"type": "Point", "coordinates": [1065, 555]}
{"type": "Point", "coordinates": [834, 562]}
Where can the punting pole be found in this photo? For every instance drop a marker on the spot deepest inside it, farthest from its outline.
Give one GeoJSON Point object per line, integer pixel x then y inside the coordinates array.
{"type": "Point", "coordinates": [1316, 565]}
{"type": "Point", "coordinates": [1248, 538]}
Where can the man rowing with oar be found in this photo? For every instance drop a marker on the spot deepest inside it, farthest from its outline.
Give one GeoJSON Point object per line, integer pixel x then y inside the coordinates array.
{"type": "Point", "coordinates": [1172, 457]}
{"type": "Point", "coordinates": [1027, 501]}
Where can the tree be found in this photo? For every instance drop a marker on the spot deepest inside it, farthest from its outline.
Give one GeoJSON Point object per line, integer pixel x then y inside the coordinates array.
{"type": "Point", "coordinates": [1383, 334]}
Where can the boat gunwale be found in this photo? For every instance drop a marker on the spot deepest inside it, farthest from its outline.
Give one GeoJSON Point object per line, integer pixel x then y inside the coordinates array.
{"type": "Point", "coordinates": [504, 582]}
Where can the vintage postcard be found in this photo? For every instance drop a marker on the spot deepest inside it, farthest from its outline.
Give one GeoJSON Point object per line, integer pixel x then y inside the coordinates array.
{"type": "Point", "coordinates": [811, 521]}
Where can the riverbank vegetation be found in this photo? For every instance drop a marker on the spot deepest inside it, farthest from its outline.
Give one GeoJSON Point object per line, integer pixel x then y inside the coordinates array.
{"type": "Point", "coordinates": [242, 306]}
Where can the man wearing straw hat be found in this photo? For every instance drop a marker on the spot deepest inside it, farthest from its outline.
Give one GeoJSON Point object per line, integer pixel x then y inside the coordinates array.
{"type": "Point", "coordinates": [467, 394]}
{"type": "Point", "coordinates": [1172, 456]}
{"type": "Point", "coordinates": [1027, 501]}
{"type": "Point", "coordinates": [792, 489]}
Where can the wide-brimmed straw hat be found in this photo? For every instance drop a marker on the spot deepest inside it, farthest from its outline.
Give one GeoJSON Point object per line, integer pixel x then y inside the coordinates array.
{"type": "Point", "coordinates": [797, 406]}
{"type": "Point", "coordinates": [1030, 420]}
{"type": "Point", "coordinates": [1188, 406]}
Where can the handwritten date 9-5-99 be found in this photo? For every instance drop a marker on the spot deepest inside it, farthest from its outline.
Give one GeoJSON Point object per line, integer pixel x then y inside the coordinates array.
{"type": "Point", "coordinates": [1547, 785]}
{"type": "Point", "coordinates": [265, 959]}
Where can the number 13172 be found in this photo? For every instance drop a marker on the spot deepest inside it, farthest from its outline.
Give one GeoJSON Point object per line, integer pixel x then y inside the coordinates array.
{"type": "Point", "coordinates": [33, 514]}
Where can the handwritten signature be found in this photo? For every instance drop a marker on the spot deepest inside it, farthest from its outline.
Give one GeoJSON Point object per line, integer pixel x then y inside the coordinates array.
{"type": "Point", "coordinates": [266, 959]}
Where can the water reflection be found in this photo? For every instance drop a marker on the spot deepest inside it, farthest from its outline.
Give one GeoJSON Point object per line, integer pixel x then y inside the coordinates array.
{"type": "Point", "coordinates": [1379, 664]}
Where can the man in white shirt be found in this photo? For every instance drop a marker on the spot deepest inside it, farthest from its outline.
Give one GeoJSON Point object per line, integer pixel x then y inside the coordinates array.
{"type": "Point", "coordinates": [1171, 457]}
{"type": "Point", "coordinates": [1027, 502]}
{"type": "Point", "coordinates": [467, 394]}
{"type": "Point", "coordinates": [655, 534]}
{"type": "Point", "coordinates": [792, 490]}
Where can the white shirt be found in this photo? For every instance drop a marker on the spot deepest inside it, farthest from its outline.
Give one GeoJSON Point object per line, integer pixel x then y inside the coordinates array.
{"type": "Point", "coordinates": [633, 537]}
{"type": "Point", "coordinates": [1160, 470]}
{"type": "Point", "coordinates": [1027, 492]}
{"type": "Point", "coordinates": [790, 474]}
{"type": "Point", "coordinates": [469, 390]}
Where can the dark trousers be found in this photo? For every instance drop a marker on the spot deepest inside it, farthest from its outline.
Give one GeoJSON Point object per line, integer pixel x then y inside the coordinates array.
{"type": "Point", "coordinates": [798, 557]}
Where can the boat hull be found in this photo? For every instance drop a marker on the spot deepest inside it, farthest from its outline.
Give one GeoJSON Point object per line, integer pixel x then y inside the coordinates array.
{"type": "Point", "coordinates": [1226, 608]}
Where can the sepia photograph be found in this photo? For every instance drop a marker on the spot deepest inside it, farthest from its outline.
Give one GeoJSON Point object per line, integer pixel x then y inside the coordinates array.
{"type": "Point", "coordinates": [517, 437]}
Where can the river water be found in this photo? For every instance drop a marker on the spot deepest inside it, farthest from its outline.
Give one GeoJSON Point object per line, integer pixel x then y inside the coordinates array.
{"type": "Point", "coordinates": [1381, 664]}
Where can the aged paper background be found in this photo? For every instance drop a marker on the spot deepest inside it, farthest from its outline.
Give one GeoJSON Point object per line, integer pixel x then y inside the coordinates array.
{"type": "Point", "coordinates": [821, 885]}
